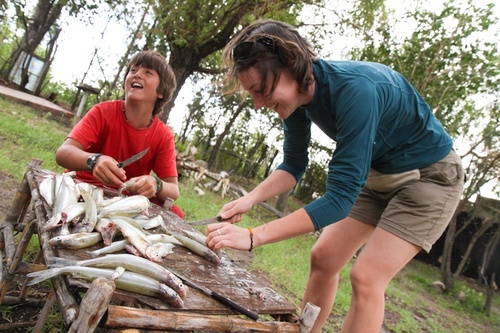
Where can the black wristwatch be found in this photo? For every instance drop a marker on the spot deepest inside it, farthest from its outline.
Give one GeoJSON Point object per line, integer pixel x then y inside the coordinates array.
{"type": "Point", "coordinates": [91, 161]}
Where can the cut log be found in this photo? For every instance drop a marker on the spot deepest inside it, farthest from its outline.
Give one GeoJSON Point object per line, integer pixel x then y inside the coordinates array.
{"type": "Point", "coordinates": [93, 305]}
{"type": "Point", "coordinates": [182, 321]}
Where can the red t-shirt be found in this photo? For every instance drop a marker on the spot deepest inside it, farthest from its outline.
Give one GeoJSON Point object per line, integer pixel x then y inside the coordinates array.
{"type": "Point", "coordinates": [105, 130]}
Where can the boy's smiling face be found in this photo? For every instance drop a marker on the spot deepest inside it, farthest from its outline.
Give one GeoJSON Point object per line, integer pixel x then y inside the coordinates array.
{"type": "Point", "coordinates": [142, 83]}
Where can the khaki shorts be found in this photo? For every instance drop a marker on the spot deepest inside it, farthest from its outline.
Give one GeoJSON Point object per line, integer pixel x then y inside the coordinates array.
{"type": "Point", "coordinates": [420, 210]}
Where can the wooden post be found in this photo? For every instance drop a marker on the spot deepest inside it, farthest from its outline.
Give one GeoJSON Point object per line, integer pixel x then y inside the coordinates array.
{"type": "Point", "coordinates": [308, 317]}
{"type": "Point", "coordinates": [44, 314]}
{"type": "Point", "coordinates": [13, 253]}
{"type": "Point", "coordinates": [93, 306]}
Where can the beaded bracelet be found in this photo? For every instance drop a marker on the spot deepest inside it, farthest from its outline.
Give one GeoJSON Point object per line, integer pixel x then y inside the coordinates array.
{"type": "Point", "coordinates": [251, 239]}
{"type": "Point", "coordinates": [159, 185]}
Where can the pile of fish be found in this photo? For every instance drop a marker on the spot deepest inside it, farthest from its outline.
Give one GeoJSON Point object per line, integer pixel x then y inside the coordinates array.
{"type": "Point", "coordinates": [83, 217]}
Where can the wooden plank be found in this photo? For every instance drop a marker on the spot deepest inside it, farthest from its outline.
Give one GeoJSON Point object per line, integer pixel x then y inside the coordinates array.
{"type": "Point", "coordinates": [119, 316]}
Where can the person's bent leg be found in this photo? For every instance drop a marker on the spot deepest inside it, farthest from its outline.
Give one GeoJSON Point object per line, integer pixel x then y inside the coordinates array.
{"type": "Point", "coordinates": [336, 245]}
{"type": "Point", "coordinates": [383, 256]}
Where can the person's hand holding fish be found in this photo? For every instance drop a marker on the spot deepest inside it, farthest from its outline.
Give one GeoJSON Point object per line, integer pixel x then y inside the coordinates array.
{"type": "Point", "coordinates": [144, 185]}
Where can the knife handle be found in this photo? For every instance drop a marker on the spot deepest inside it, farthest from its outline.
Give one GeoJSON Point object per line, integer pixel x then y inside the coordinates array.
{"type": "Point", "coordinates": [120, 165]}
{"type": "Point", "coordinates": [235, 306]}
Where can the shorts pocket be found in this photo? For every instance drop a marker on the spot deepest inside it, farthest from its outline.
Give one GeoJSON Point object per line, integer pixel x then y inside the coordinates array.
{"type": "Point", "coordinates": [443, 173]}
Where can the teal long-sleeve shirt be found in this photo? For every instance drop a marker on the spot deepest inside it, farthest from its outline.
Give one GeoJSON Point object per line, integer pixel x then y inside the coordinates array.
{"type": "Point", "coordinates": [377, 119]}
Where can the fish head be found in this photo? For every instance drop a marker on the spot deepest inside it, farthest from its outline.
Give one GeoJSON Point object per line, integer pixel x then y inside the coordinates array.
{"type": "Point", "coordinates": [53, 222]}
{"type": "Point", "coordinates": [171, 296]}
{"type": "Point", "coordinates": [152, 254]}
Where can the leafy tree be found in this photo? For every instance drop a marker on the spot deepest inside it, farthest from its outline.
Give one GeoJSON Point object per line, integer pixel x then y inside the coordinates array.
{"type": "Point", "coordinates": [193, 32]}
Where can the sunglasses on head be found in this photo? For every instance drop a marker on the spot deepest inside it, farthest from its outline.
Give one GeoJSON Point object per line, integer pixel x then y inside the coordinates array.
{"type": "Point", "coordinates": [249, 48]}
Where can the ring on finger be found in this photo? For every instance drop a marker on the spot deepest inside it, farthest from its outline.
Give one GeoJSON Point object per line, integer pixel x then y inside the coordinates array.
{"type": "Point", "coordinates": [218, 232]}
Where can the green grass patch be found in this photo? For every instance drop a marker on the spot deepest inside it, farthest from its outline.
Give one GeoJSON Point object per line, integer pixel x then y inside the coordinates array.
{"type": "Point", "coordinates": [24, 136]}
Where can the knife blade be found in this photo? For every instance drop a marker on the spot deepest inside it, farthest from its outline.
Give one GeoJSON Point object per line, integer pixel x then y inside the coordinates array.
{"type": "Point", "coordinates": [220, 298]}
{"type": "Point", "coordinates": [133, 158]}
{"type": "Point", "coordinates": [206, 221]}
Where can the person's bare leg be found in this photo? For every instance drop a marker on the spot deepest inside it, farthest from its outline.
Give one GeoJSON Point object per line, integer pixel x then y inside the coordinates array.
{"type": "Point", "coordinates": [383, 256]}
{"type": "Point", "coordinates": [336, 245]}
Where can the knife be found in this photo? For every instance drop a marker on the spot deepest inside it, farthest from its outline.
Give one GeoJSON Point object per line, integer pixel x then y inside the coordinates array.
{"type": "Point", "coordinates": [206, 221]}
{"type": "Point", "coordinates": [132, 159]}
{"type": "Point", "coordinates": [215, 295]}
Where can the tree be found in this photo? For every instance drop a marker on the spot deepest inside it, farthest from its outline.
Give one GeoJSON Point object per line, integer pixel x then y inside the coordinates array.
{"type": "Point", "coordinates": [192, 32]}
{"type": "Point", "coordinates": [36, 26]}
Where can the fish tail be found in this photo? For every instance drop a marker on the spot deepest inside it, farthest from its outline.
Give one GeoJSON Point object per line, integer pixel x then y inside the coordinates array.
{"type": "Point", "coordinates": [40, 276]}
{"type": "Point", "coordinates": [61, 262]}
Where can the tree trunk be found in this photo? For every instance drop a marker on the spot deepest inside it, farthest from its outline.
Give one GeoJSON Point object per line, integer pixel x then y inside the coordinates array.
{"type": "Point", "coordinates": [282, 199]}
{"type": "Point", "coordinates": [222, 136]}
{"type": "Point", "coordinates": [488, 275]}
{"type": "Point", "coordinates": [46, 14]}
{"type": "Point", "coordinates": [446, 273]}
{"type": "Point", "coordinates": [484, 226]}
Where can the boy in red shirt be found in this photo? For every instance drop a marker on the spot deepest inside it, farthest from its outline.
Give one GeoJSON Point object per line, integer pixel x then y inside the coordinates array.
{"type": "Point", "coordinates": [113, 131]}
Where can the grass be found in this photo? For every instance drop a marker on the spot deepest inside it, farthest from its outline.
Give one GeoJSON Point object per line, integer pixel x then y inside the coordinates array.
{"type": "Point", "coordinates": [412, 304]}
{"type": "Point", "coordinates": [24, 136]}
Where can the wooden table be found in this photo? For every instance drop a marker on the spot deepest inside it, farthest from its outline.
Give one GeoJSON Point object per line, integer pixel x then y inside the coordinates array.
{"type": "Point", "coordinates": [129, 310]}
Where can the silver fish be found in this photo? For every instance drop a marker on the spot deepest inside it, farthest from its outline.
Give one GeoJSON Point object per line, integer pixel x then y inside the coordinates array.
{"type": "Point", "coordinates": [137, 238]}
{"type": "Point", "coordinates": [68, 214]}
{"type": "Point", "coordinates": [136, 203]}
{"type": "Point", "coordinates": [120, 245]}
{"type": "Point", "coordinates": [128, 184]}
{"type": "Point", "coordinates": [89, 221]}
{"type": "Point", "coordinates": [66, 194]}
{"type": "Point", "coordinates": [199, 249]}
{"type": "Point", "coordinates": [76, 241]}
{"type": "Point", "coordinates": [133, 264]}
{"type": "Point", "coordinates": [151, 223]}
{"type": "Point", "coordinates": [107, 202]}
{"type": "Point", "coordinates": [163, 249]}
{"type": "Point", "coordinates": [200, 238]}
{"type": "Point", "coordinates": [98, 194]}
{"type": "Point", "coordinates": [128, 281]}
{"type": "Point", "coordinates": [111, 248]}
{"type": "Point", "coordinates": [197, 236]}
{"type": "Point", "coordinates": [47, 189]}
